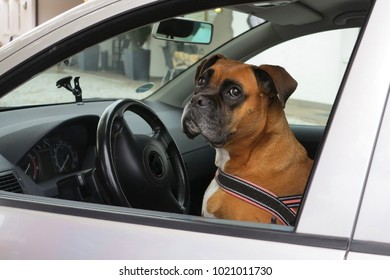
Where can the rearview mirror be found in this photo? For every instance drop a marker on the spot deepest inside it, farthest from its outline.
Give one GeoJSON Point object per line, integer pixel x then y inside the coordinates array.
{"type": "Point", "coordinates": [183, 30]}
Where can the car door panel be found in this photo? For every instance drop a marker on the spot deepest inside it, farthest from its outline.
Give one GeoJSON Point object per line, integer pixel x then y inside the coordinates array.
{"type": "Point", "coordinates": [371, 237]}
{"type": "Point", "coordinates": [63, 234]}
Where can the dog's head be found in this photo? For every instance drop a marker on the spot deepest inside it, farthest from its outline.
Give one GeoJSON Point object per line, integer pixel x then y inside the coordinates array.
{"type": "Point", "coordinates": [233, 98]}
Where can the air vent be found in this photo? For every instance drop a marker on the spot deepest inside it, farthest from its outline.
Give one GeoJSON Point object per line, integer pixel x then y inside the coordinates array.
{"type": "Point", "coordinates": [9, 183]}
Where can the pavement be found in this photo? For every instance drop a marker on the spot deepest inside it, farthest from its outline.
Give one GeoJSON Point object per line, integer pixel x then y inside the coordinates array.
{"type": "Point", "coordinates": [306, 112]}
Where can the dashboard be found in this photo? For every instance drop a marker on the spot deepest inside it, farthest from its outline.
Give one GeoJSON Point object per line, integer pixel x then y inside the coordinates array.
{"type": "Point", "coordinates": [69, 148]}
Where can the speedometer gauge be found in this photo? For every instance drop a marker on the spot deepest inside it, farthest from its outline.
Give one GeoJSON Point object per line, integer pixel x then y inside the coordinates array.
{"type": "Point", "coordinates": [29, 165]}
{"type": "Point", "coordinates": [64, 157]}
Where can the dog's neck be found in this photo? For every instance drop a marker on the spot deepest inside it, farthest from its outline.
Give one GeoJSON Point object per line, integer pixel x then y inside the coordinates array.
{"type": "Point", "coordinates": [262, 144]}
{"type": "Point", "coordinates": [235, 158]}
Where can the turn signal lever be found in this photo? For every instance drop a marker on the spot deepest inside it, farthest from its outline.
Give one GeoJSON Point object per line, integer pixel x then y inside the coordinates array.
{"type": "Point", "coordinates": [76, 90]}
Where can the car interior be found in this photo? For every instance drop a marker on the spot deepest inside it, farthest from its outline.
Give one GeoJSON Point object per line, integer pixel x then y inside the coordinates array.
{"type": "Point", "coordinates": [65, 150]}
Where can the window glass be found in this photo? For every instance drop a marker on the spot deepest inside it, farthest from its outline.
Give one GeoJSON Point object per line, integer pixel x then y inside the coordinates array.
{"type": "Point", "coordinates": [317, 62]}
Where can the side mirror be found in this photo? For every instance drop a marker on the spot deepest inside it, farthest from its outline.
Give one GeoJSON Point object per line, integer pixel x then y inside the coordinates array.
{"type": "Point", "coordinates": [183, 30]}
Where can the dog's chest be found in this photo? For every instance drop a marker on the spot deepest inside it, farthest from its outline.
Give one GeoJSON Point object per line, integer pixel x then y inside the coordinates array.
{"type": "Point", "coordinates": [221, 157]}
{"type": "Point", "coordinates": [212, 188]}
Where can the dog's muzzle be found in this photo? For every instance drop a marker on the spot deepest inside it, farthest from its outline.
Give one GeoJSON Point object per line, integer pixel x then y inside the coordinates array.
{"type": "Point", "coordinates": [202, 116]}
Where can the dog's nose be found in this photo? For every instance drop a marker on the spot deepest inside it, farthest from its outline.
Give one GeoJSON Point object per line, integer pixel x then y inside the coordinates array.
{"type": "Point", "coordinates": [201, 101]}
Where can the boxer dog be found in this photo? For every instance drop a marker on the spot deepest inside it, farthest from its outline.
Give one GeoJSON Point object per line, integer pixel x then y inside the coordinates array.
{"type": "Point", "coordinates": [239, 109]}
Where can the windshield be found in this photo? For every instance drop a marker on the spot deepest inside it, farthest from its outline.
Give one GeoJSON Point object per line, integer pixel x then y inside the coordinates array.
{"type": "Point", "coordinates": [133, 64]}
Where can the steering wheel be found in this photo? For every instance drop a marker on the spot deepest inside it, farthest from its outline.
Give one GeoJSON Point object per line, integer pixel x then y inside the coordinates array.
{"type": "Point", "coordinates": [140, 171]}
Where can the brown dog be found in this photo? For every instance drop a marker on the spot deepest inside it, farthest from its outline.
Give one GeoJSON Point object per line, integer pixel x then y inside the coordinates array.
{"type": "Point", "coordinates": [238, 108]}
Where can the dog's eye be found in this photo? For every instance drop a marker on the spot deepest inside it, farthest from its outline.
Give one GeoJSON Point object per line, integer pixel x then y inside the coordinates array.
{"type": "Point", "coordinates": [201, 81]}
{"type": "Point", "coordinates": [234, 92]}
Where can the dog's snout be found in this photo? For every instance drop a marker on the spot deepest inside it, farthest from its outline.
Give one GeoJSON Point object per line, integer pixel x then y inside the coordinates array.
{"type": "Point", "coordinates": [201, 101]}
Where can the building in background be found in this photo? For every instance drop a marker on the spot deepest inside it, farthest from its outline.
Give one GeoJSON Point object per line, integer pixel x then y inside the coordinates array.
{"type": "Point", "coordinates": [19, 16]}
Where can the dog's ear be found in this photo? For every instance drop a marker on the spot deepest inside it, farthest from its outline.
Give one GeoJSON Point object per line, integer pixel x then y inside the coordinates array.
{"type": "Point", "coordinates": [206, 63]}
{"type": "Point", "coordinates": [276, 80]}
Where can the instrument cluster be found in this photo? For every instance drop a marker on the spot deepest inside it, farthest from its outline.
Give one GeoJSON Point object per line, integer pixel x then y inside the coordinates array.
{"type": "Point", "coordinates": [62, 152]}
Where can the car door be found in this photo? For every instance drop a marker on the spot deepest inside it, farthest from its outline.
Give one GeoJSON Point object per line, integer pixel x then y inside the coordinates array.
{"type": "Point", "coordinates": [47, 228]}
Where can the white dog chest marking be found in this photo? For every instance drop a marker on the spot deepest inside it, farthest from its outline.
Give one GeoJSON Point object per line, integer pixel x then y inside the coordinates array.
{"type": "Point", "coordinates": [221, 157]}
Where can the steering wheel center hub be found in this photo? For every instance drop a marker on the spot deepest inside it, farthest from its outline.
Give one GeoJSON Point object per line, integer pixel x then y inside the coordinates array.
{"type": "Point", "coordinates": [156, 164]}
